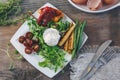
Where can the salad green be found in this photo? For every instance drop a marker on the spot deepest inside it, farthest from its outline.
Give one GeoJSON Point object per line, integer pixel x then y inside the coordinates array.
{"type": "Point", "coordinates": [54, 56]}
{"type": "Point", "coordinates": [60, 25]}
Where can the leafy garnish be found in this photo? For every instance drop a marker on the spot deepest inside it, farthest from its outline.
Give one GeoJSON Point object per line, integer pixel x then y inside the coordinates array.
{"type": "Point", "coordinates": [11, 66]}
{"type": "Point", "coordinates": [16, 52]}
{"type": "Point", "coordinates": [60, 25]}
{"type": "Point", "coordinates": [8, 9]}
{"type": "Point", "coordinates": [54, 56]}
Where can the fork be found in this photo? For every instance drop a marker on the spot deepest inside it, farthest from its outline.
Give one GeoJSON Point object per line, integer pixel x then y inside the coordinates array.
{"type": "Point", "coordinates": [108, 54]}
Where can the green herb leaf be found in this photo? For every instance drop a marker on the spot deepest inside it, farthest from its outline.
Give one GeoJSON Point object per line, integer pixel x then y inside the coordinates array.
{"type": "Point", "coordinates": [11, 66]}
{"type": "Point", "coordinates": [53, 55]}
{"type": "Point", "coordinates": [7, 10]}
{"type": "Point", "coordinates": [16, 52]}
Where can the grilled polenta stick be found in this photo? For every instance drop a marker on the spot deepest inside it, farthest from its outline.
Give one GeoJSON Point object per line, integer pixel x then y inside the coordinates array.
{"type": "Point", "coordinates": [67, 35]}
{"type": "Point", "coordinates": [66, 45]}
{"type": "Point", "coordinates": [71, 41]}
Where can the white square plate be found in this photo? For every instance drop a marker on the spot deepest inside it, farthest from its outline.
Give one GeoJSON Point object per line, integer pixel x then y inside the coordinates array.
{"type": "Point", "coordinates": [34, 58]}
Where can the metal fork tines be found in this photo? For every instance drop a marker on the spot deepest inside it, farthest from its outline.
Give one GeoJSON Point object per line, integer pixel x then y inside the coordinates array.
{"type": "Point", "coordinates": [108, 54]}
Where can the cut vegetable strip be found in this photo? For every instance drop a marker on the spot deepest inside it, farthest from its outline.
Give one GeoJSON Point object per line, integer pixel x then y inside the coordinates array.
{"type": "Point", "coordinates": [71, 41]}
{"type": "Point", "coordinates": [66, 36]}
{"type": "Point", "coordinates": [66, 46]}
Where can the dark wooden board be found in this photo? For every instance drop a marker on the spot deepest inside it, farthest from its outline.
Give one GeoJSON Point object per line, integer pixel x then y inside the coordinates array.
{"type": "Point", "coordinates": [100, 27]}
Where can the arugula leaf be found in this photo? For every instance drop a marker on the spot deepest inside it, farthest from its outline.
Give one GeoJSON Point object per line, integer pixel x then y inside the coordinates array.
{"type": "Point", "coordinates": [53, 55]}
{"type": "Point", "coordinates": [60, 25]}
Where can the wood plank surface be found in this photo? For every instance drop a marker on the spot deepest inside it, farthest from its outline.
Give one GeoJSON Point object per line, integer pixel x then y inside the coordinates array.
{"type": "Point", "coordinates": [100, 27]}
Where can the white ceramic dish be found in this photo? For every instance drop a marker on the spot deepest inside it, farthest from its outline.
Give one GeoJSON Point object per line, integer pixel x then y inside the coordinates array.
{"type": "Point", "coordinates": [103, 9]}
{"type": "Point", "coordinates": [33, 58]}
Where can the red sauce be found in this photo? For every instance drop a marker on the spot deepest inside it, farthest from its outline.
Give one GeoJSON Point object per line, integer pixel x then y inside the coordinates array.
{"type": "Point", "coordinates": [46, 15]}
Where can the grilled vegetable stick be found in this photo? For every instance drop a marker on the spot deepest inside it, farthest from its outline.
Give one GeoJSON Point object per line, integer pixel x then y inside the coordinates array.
{"type": "Point", "coordinates": [67, 35]}
{"type": "Point", "coordinates": [66, 46]}
{"type": "Point", "coordinates": [71, 41]}
{"type": "Point", "coordinates": [69, 51]}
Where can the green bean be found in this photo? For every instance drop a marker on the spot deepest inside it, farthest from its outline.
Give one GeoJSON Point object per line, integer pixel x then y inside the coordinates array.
{"type": "Point", "coordinates": [78, 33]}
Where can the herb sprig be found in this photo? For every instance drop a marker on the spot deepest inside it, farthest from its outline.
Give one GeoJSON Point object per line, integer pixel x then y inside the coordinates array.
{"type": "Point", "coordinates": [8, 9]}
{"type": "Point", "coordinates": [60, 25]}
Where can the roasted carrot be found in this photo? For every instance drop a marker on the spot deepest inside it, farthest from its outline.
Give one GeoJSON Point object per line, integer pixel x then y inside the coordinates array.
{"type": "Point", "coordinates": [67, 35]}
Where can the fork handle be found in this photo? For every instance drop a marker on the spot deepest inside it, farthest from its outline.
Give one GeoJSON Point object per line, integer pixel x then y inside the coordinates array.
{"type": "Point", "coordinates": [92, 72]}
{"type": "Point", "coordinates": [87, 70]}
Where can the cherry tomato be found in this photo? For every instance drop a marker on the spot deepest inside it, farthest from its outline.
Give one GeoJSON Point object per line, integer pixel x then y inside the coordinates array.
{"type": "Point", "coordinates": [29, 42]}
{"type": "Point", "coordinates": [21, 39]}
{"type": "Point", "coordinates": [36, 47]}
{"type": "Point", "coordinates": [28, 50]}
{"type": "Point", "coordinates": [29, 35]}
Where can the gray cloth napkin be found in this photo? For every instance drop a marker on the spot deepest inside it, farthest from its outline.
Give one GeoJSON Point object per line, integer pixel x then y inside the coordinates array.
{"type": "Point", "coordinates": [110, 71]}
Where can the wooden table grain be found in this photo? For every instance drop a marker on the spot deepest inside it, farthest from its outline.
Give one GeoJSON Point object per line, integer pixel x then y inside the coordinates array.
{"type": "Point", "coordinates": [100, 27]}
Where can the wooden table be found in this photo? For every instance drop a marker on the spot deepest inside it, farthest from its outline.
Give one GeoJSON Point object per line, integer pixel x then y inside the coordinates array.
{"type": "Point", "coordinates": [100, 27]}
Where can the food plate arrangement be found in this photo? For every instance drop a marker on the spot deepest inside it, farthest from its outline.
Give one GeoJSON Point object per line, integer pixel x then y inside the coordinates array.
{"type": "Point", "coordinates": [104, 8]}
{"type": "Point", "coordinates": [38, 58]}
